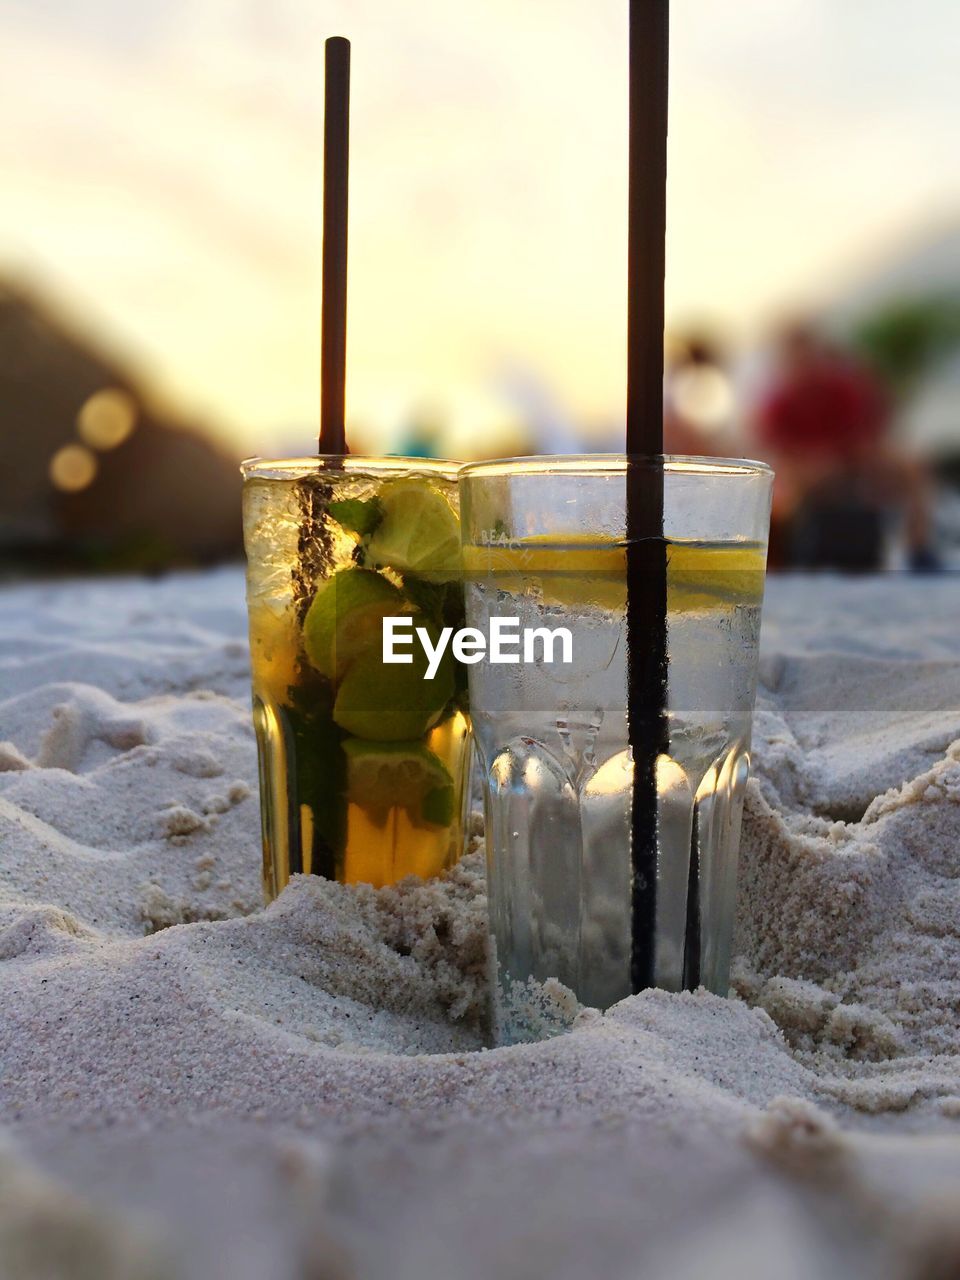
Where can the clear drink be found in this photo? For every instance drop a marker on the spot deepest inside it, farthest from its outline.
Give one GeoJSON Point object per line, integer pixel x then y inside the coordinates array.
{"type": "Point", "coordinates": [362, 766]}
{"type": "Point", "coordinates": [548, 549]}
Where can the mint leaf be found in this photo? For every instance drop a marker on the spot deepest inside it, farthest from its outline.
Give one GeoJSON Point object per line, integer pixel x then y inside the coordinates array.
{"type": "Point", "coordinates": [357, 515]}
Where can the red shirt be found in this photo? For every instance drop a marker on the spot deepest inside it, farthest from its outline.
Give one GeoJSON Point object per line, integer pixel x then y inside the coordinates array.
{"type": "Point", "coordinates": [830, 409]}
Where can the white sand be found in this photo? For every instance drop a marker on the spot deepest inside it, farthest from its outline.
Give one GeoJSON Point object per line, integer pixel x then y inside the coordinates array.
{"type": "Point", "coordinates": [300, 1091]}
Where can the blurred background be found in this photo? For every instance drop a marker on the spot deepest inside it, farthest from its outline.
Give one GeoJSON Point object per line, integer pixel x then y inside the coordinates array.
{"type": "Point", "coordinates": [160, 257]}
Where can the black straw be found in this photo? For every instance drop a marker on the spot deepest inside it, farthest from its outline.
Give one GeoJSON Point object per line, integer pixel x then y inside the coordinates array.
{"type": "Point", "coordinates": [646, 548]}
{"type": "Point", "coordinates": [336, 160]}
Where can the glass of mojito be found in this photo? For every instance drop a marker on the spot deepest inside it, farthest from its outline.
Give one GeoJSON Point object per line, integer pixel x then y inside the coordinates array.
{"type": "Point", "coordinates": [362, 763]}
{"type": "Point", "coordinates": [545, 546]}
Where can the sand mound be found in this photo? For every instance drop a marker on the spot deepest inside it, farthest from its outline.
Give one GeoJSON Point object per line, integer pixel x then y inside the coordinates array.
{"type": "Point", "coordinates": [302, 1091]}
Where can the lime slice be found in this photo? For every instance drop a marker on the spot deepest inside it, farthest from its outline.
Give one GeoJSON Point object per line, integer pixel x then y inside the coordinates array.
{"type": "Point", "coordinates": [399, 775]}
{"type": "Point", "coordinates": [389, 703]}
{"type": "Point", "coordinates": [419, 532]}
{"type": "Point", "coordinates": [345, 619]}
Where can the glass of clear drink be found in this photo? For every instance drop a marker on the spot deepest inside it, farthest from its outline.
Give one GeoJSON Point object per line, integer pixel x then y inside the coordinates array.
{"type": "Point", "coordinates": [545, 544]}
{"type": "Point", "coordinates": [362, 764]}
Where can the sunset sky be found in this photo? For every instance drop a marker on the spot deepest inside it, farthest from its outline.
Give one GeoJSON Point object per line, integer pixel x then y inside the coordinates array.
{"type": "Point", "coordinates": [162, 180]}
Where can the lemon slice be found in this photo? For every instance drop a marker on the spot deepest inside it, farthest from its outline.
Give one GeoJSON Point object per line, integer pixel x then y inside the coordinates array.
{"type": "Point", "coordinates": [387, 775]}
{"type": "Point", "coordinates": [418, 532]}
{"type": "Point", "coordinates": [584, 571]}
{"type": "Point", "coordinates": [581, 571]}
{"type": "Point", "coordinates": [703, 575]}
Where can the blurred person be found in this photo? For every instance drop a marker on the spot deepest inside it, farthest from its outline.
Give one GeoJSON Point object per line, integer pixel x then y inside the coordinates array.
{"type": "Point", "coordinates": [545, 425]}
{"type": "Point", "coordinates": [824, 424]}
{"type": "Point", "coordinates": [421, 435]}
{"type": "Point", "coordinates": [698, 399]}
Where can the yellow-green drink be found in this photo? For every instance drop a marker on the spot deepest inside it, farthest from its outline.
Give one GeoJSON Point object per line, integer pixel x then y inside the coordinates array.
{"type": "Point", "coordinates": [362, 765]}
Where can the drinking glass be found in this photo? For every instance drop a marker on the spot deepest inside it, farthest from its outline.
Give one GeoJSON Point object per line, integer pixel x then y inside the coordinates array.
{"type": "Point", "coordinates": [545, 543]}
{"type": "Point", "coordinates": [362, 764]}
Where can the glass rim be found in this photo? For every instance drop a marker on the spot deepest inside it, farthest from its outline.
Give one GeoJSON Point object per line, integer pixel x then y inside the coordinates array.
{"type": "Point", "coordinates": [258, 468]}
{"type": "Point", "coordinates": [602, 464]}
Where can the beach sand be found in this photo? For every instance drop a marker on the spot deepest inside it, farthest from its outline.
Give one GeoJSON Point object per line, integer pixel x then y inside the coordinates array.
{"type": "Point", "coordinates": [191, 1086]}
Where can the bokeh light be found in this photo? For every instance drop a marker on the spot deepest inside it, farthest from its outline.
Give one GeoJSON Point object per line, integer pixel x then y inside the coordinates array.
{"type": "Point", "coordinates": [73, 468]}
{"type": "Point", "coordinates": [107, 418]}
